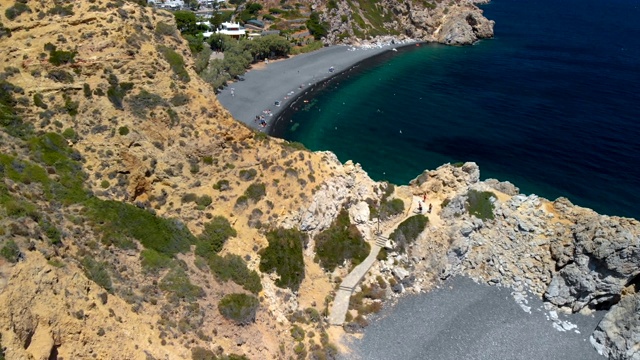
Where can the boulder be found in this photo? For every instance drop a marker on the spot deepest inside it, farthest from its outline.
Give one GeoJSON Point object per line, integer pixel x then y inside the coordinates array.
{"type": "Point", "coordinates": [606, 259]}
{"type": "Point", "coordinates": [359, 213]}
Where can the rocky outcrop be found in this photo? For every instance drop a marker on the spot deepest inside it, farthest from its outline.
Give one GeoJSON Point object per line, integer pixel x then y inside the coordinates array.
{"type": "Point", "coordinates": [458, 23]}
{"type": "Point", "coordinates": [603, 259]}
{"type": "Point", "coordinates": [465, 28]}
{"type": "Point", "coordinates": [618, 334]}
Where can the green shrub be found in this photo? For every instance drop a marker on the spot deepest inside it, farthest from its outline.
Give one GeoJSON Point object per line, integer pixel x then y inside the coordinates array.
{"type": "Point", "coordinates": [221, 185]}
{"type": "Point", "coordinates": [166, 236]}
{"type": "Point", "coordinates": [117, 91]}
{"type": "Point", "coordinates": [409, 230]}
{"type": "Point", "coordinates": [61, 76]}
{"type": "Point", "coordinates": [242, 201]}
{"type": "Point", "coordinates": [16, 10]}
{"type": "Point", "coordinates": [340, 242]}
{"type": "Point", "coordinates": [70, 106]}
{"type": "Point", "coordinates": [60, 57]}
{"type": "Point", "coordinates": [216, 232]}
{"type": "Point", "coordinates": [179, 99]}
{"type": "Point", "coordinates": [38, 100]}
{"type": "Point", "coordinates": [97, 271]}
{"type": "Point", "coordinates": [153, 261]}
{"type": "Point", "coordinates": [70, 134]}
{"type": "Point", "coordinates": [9, 119]}
{"type": "Point", "coordinates": [204, 201]}
{"type": "Point", "coordinates": [165, 29]}
{"type": "Point", "coordinates": [255, 191]}
{"type": "Point", "coordinates": [247, 174]}
{"type": "Point", "coordinates": [177, 283]}
{"type": "Point", "coordinates": [240, 308]}
{"type": "Point", "coordinates": [144, 101]}
{"type": "Point", "coordinates": [232, 267]}
{"type": "Point", "coordinates": [10, 251]}
{"type": "Point", "coordinates": [51, 231]}
{"type": "Point", "coordinates": [284, 256]}
{"type": "Point", "coordinates": [61, 10]}
{"type": "Point", "coordinates": [86, 89]}
{"type": "Point", "coordinates": [176, 62]}
{"type": "Point", "coordinates": [123, 130]}
{"type": "Point", "coordinates": [208, 160]}
{"type": "Point", "coordinates": [297, 333]}
{"type": "Point", "coordinates": [479, 204]}
{"type": "Point", "coordinates": [105, 184]}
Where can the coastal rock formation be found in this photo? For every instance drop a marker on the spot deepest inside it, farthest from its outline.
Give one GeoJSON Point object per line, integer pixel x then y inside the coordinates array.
{"type": "Point", "coordinates": [465, 28]}
{"type": "Point", "coordinates": [618, 335]}
{"type": "Point", "coordinates": [602, 260]}
{"type": "Point", "coordinates": [454, 23]}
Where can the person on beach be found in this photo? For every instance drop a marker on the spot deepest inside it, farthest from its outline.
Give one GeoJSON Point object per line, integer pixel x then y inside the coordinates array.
{"type": "Point", "coordinates": [233, 92]}
{"type": "Point", "coordinates": [419, 207]}
{"type": "Point", "coordinates": [424, 197]}
{"type": "Point", "coordinates": [430, 206]}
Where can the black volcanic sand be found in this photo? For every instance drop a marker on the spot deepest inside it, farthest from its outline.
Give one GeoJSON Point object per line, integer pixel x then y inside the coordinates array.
{"type": "Point", "coordinates": [466, 320]}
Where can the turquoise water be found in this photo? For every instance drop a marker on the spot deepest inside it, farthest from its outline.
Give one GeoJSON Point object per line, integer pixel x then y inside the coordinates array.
{"type": "Point", "coordinates": [551, 103]}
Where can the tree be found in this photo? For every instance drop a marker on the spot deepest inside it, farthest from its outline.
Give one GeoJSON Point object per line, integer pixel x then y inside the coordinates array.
{"type": "Point", "coordinates": [186, 22]}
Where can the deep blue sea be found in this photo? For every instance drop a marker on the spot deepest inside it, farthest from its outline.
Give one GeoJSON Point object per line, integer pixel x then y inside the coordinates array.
{"type": "Point", "coordinates": [552, 104]}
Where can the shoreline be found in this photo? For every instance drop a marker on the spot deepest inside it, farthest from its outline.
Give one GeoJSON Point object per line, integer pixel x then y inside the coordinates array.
{"type": "Point", "coordinates": [291, 79]}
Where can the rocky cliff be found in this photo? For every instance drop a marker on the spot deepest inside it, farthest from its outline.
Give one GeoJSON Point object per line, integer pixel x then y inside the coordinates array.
{"type": "Point", "coordinates": [574, 258]}
{"type": "Point", "coordinates": [454, 22]}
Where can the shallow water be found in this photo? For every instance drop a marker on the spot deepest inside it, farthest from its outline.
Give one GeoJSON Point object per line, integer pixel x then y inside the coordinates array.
{"type": "Point", "coordinates": [551, 104]}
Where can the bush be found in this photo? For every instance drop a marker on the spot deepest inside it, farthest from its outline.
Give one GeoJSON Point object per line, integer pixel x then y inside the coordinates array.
{"type": "Point", "coordinates": [409, 230]}
{"type": "Point", "coordinates": [10, 251]}
{"type": "Point", "coordinates": [16, 10]}
{"type": "Point", "coordinates": [117, 91]}
{"type": "Point", "coordinates": [204, 201]}
{"type": "Point", "coordinates": [232, 267]}
{"type": "Point", "coordinates": [480, 205]}
{"type": "Point", "coordinates": [240, 308]}
{"type": "Point", "coordinates": [247, 174]}
{"type": "Point", "coordinates": [165, 29]}
{"type": "Point", "coordinates": [61, 76]}
{"type": "Point", "coordinates": [9, 119]}
{"type": "Point", "coordinates": [177, 283]}
{"type": "Point", "coordinates": [97, 272]}
{"type": "Point", "coordinates": [215, 234]}
{"type": "Point", "coordinates": [176, 62]}
{"type": "Point", "coordinates": [144, 101]}
{"type": "Point", "coordinates": [166, 236]}
{"type": "Point", "coordinates": [284, 256]}
{"type": "Point", "coordinates": [153, 261]}
{"type": "Point", "coordinates": [123, 130]}
{"type": "Point", "coordinates": [38, 100]}
{"type": "Point", "coordinates": [255, 191]}
{"type": "Point", "coordinates": [105, 184]}
{"type": "Point", "coordinates": [221, 185]}
{"type": "Point", "coordinates": [340, 242]}
{"type": "Point", "coordinates": [59, 57]}
{"type": "Point", "coordinates": [61, 10]}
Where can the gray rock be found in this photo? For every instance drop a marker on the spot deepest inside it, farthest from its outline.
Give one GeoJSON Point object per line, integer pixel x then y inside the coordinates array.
{"type": "Point", "coordinates": [618, 334]}
{"type": "Point", "coordinates": [399, 273]}
{"type": "Point", "coordinates": [465, 28]}
{"type": "Point", "coordinates": [607, 258]}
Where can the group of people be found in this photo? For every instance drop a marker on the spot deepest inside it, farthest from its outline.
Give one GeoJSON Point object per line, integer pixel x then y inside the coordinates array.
{"type": "Point", "coordinates": [261, 119]}
{"type": "Point", "coordinates": [424, 198]}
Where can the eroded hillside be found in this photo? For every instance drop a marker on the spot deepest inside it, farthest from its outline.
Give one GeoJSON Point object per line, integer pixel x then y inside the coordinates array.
{"type": "Point", "coordinates": [132, 203]}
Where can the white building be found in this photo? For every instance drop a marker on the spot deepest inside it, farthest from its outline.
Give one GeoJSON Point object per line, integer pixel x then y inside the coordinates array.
{"type": "Point", "coordinates": [232, 29]}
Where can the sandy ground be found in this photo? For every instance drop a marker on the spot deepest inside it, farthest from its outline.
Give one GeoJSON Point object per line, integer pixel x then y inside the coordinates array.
{"type": "Point", "coordinates": [465, 320]}
{"type": "Point", "coordinates": [286, 79]}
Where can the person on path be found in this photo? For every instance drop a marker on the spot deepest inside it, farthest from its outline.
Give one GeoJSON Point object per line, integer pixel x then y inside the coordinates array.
{"type": "Point", "coordinates": [430, 206]}
{"type": "Point", "coordinates": [419, 207]}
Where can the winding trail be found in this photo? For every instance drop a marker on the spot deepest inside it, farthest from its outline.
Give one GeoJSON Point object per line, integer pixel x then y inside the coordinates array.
{"type": "Point", "coordinates": [340, 305]}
